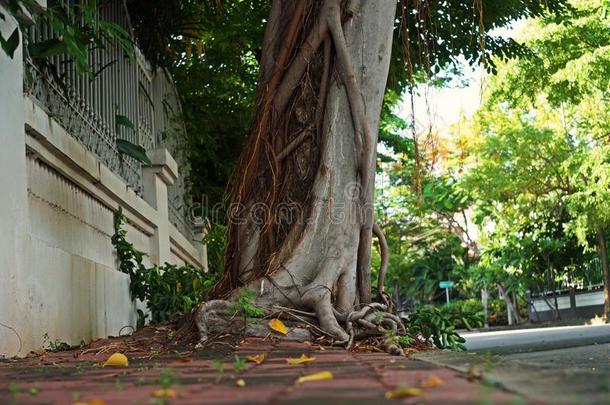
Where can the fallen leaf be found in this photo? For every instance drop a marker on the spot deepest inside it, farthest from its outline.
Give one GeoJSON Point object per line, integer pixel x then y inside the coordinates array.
{"type": "Point", "coordinates": [404, 392]}
{"type": "Point", "coordinates": [184, 360]}
{"type": "Point", "coordinates": [474, 373]}
{"type": "Point", "coordinates": [240, 383]}
{"type": "Point", "coordinates": [257, 358]}
{"type": "Point", "coordinates": [117, 360]}
{"type": "Point", "coordinates": [164, 393]}
{"type": "Point", "coordinates": [92, 402]}
{"type": "Point", "coordinates": [303, 359]}
{"type": "Point", "coordinates": [321, 376]}
{"type": "Point", "coordinates": [278, 326]}
{"type": "Point", "coordinates": [432, 382]}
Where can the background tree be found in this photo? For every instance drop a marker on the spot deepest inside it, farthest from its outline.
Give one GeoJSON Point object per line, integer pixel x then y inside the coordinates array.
{"type": "Point", "coordinates": [540, 168]}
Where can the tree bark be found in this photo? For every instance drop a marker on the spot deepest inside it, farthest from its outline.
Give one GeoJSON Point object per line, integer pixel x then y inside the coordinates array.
{"type": "Point", "coordinates": [321, 263]}
{"type": "Point", "coordinates": [603, 254]}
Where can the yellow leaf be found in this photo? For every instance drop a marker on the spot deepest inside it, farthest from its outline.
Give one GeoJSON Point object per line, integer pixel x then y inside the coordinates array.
{"type": "Point", "coordinates": [403, 392]}
{"type": "Point", "coordinates": [256, 358]}
{"type": "Point", "coordinates": [300, 360]}
{"type": "Point", "coordinates": [164, 393]}
{"type": "Point", "coordinates": [321, 376]}
{"type": "Point", "coordinates": [92, 402]}
{"type": "Point", "coordinates": [278, 326]}
{"type": "Point", "coordinates": [240, 383]}
{"type": "Point", "coordinates": [117, 360]}
{"type": "Point", "coordinates": [432, 381]}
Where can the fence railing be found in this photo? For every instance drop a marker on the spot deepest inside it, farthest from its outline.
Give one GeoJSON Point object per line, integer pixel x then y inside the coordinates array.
{"type": "Point", "coordinates": [94, 108]}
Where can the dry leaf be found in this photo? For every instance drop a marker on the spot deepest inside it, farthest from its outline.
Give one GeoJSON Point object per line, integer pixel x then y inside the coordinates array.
{"type": "Point", "coordinates": [164, 393]}
{"type": "Point", "coordinates": [404, 392]}
{"type": "Point", "coordinates": [321, 376]}
{"type": "Point", "coordinates": [303, 359]}
{"type": "Point", "coordinates": [278, 326]}
{"type": "Point", "coordinates": [432, 382]}
{"type": "Point", "coordinates": [240, 383]}
{"type": "Point", "coordinates": [92, 402]}
{"type": "Point", "coordinates": [474, 373]}
{"type": "Point", "coordinates": [257, 358]}
{"type": "Point", "coordinates": [117, 360]}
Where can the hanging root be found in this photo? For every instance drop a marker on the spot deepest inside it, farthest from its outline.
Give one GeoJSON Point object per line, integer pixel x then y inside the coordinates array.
{"type": "Point", "coordinates": [382, 296]}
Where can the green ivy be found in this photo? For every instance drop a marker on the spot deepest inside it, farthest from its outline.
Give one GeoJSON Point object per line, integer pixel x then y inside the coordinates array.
{"type": "Point", "coordinates": [169, 291]}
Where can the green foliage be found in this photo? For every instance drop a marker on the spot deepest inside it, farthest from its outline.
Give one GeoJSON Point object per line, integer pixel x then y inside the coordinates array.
{"type": "Point", "coordinates": [78, 28]}
{"type": "Point", "coordinates": [219, 366]}
{"type": "Point", "coordinates": [464, 314]}
{"type": "Point", "coordinates": [239, 364]}
{"type": "Point", "coordinates": [215, 240]}
{"type": "Point", "coordinates": [243, 305]}
{"type": "Point", "coordinates": [54, 345]}
{"type": "Point", "coordinates": [216, 77]}
{"type": "Point", "coordinates": [166, 378]}
{"type": "Point", "coordinates": [539, 169]}
{"type": "Point", "coordinates": [399, 340]}
{"type": "Point", "coordinates": [169, 291]}
{"type": "Point", "coordinates": [435, 326]}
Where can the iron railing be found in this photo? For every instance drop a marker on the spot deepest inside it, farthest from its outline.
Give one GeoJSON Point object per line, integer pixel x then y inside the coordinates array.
{"type": "Point", "coordinates": [88, 106]}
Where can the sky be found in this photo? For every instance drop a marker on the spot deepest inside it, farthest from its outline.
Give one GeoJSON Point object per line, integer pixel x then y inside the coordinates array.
{"type": "Point", "coordinates": [443, 107]}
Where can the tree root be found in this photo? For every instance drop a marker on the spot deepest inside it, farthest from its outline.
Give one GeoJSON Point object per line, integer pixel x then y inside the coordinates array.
{"type": "Point", "coordinates": [214, 317]}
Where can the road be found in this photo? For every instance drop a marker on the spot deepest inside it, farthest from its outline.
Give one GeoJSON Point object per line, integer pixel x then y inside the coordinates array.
{"type": "Point", "coordinates": [537, 339]}
{"type": "Point", "coordinates": [569, 364]}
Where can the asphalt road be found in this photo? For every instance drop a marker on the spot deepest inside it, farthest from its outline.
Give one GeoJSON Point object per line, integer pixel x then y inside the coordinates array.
{"type": "Point", "coordinates": [569, 364]}
{"type": "Point", "coordinates": [530, 340]}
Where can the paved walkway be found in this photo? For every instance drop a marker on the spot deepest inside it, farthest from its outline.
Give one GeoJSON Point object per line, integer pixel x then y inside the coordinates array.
{"type": "Point", "coordinates": [212, 376]}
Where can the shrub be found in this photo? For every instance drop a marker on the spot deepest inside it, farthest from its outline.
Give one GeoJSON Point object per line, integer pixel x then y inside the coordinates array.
{"type": "Point", "coordinates": [436, 327]}
{"type": "Point", "coordinates": [169, 291]}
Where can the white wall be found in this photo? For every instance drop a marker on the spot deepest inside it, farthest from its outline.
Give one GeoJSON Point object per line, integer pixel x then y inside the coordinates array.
{"type": "Point", "coordinates": [58, 270]}
{"type": "Point", "coordinates": [13, 197]}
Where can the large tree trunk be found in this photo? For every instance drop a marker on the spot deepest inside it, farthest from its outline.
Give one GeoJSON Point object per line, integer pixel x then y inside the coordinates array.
{"type": "Point", "coordinates": [302, 223]}
{"type": "Point", "coordinates": [603, 254]}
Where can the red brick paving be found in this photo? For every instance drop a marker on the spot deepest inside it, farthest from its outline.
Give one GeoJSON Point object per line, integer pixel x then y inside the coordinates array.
{"type": "Point", "coordinates": [359, 378]}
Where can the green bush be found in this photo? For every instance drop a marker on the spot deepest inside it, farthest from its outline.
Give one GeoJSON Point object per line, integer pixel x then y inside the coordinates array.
{"type": "Point", "coordinates": [464, 314]}
{"type": "Point", "coordinates": [169, 291]}
{"type": "Point", "coordinates": [435, 326]}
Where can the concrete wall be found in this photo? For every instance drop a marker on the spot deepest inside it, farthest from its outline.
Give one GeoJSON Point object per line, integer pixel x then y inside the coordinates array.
{"type": "Point", "coordinates": [587, 304]}
{"type": "Point", "coordinates": [58, 270]}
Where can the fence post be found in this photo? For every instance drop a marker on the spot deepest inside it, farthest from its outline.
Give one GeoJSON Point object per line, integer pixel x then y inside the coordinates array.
{"type": "Point", "coordinates": [156, 178]}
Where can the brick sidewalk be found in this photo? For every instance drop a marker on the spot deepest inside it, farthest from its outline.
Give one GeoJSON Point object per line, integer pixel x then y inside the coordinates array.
{"type": "Point", "coordinates": [77, 376]}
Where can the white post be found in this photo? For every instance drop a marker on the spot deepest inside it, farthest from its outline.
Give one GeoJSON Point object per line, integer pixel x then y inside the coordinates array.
{"type": "Point", "coordinates": [485, 298]}
{"type": "Point", "coordinates": [157, 177]}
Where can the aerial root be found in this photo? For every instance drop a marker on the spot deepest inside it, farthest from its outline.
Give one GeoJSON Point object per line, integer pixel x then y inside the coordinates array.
{"type": "Point", "coordinates": [372, 319]}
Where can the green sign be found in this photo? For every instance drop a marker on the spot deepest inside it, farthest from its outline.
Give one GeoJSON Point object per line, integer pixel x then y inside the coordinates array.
{"type": "Point", "coordinates": [446, 284]}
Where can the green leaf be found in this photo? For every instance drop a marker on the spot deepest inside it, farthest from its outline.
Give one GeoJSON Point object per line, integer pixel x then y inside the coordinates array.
{"type": "Point", "coordinates": [122, 120]}
{"type": "Point", "coordinates": [10, 45]}
{"type": "Point", "coordinates": [47, 49]}
{"type": "Point", "coordinates": [132, 150]}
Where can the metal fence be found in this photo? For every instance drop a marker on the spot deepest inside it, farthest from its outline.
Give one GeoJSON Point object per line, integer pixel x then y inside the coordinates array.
{"type": "Point", "coordinates": [93, 108]}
